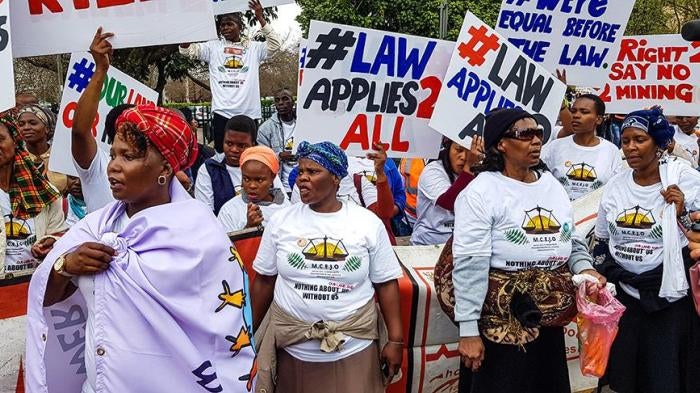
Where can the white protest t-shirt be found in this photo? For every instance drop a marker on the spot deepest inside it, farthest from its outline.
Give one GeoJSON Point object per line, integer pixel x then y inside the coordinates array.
{"type": "Point", "coordinates": [518, 225]}
{"type": "Point", "coordinates": [689, 143]}
{"type": "Point", "coordinates": [581, 169]}
{"type": "Point", "coordinates": [234, 73]}
{"type": "Point", "coordinates": [95, 182]}
{"type": "Point", "coordinates": [234, 213]}
{"type": "Point", "coordinates": [434, 224]}
{"type": "Point", "coordinates": [287, 167]}
{"type": "Point", "coordinates": [630, 218]}
{"type": "Point", "coordinates": [21, 236]}
{"type": "Point", "coordinates": [362, 166]}
{"type": "Point", "coordinates": [86, 286]}
{"type": "Point", "coordinates": [325, 264]}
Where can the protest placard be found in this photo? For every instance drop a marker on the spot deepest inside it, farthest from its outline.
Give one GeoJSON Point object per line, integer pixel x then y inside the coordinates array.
{"type": "Point", "coordinates": [7, 86]}
{"type": "Point", "coordinates": [363, 86]}
{"type": "Point", "coordinates": [118, 89]}
{"type": "Point", "coordinates": [655, 70]}
{"type": "Point", "coordinates": [228, 6]}
{"type": "Point", "coordinates": [44, 27]}
{"type": "Point", "coordinates": [487, 72]}
{"type": "Point", "coordinates": [581, 37]}
{"type": "Point", "coordinates": [302, 58]}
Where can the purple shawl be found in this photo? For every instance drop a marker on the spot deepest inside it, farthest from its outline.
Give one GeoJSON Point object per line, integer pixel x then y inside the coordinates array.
{"type": "Point", "coordinates": [170, 310]}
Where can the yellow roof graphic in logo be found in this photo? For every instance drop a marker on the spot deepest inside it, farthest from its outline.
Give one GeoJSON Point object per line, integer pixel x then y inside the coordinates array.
{"type": "Point", "coordinates": [370, 175]}
{"type": "Point", "coordinates": [636, 217]}
{"type": "Point", "coordinates": [325, 249]}
{"type": "Point", "coordinates": [540, 220]}
{"type": "Point", "coordinates": [16, 230]}
{"type": "Point", "coordinates": [581, 171]}
{"type": "Point", "coordinates": [233, 63]}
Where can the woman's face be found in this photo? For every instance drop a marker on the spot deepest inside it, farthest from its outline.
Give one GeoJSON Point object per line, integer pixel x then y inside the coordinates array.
{"type": "Point", "coordinates": [315, 183]}
{"type": "Point", "coordinates": [584, 118]}
{"type": "Point", "coordinates": [521, 152]}
{"type": "Point", "coordinates": [235, 144]}
{"type": "Point", "coordinates": [133, 175]}
{"type": "Point", "coordinates": [257, 180]}
{"type": "Point", "coordinates": [458, 157]}
{"type": "Point", "coordinates": [32, 129]}
{"type": "Point", "coordinates": [639, 148]}
{"type": "Point", "coordinates": [7, 147]}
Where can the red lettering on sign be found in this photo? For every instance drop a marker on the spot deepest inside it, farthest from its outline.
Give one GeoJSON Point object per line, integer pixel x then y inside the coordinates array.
{"type": "Point", "coordinates": [69, 114]}
{"type": "Point", "coordinates": [358, 133]}
{"type": "Point", "coordinates": [36, 7]}
{"type": "Point", "coordinates": [425, 109]}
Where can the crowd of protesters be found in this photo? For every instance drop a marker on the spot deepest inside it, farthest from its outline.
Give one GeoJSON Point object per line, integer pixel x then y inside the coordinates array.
{"type": "Point", "coordinates": [139, 240]}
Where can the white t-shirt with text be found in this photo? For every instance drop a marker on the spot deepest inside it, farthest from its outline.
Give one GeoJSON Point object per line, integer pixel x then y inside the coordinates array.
{"type": "Point", "coordinates": [518, 225]}
{"type": "Point", "coordinates": [326, 264]}
{"type": "Point", "coordinates": [581, 169]}
{"type": "Point", "coordinates": [689, 143]}
{"type": "Point", "coordinates": [20, 237]}
{"type": "Point", "coordinates": [629, 217]}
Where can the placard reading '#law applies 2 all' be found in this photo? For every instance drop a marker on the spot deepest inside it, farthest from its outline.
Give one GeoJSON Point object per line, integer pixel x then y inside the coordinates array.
{"type": "Point", "coordinates": [579, 36]}
{"type": "Point", "coordinates": [362, 86]}
{"type": "Point", "coordinates": [487, 72]}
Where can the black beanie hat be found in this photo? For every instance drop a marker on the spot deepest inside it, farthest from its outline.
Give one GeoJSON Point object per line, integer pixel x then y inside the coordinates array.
{"type": "Point", "coordinates": [498, 121]}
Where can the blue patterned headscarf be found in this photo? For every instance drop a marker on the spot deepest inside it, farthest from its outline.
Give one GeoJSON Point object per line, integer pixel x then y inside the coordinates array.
{"type": "Point", "coordinates": [326, 154]}
{"type": "Point", "coordinates": [654, 123]}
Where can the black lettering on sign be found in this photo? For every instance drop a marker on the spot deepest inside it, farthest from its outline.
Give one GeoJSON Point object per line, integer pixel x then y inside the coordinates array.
{"type": "Point", "coordinates": [74, 316]}
{"type": "Point", "coordinates": [4, 35]}
{"type": "Point", "coordinates": [205, 380]}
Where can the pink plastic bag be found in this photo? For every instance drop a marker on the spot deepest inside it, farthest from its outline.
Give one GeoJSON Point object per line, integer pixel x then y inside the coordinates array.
{"type": "Point", "coordinates": [597, 321]}
{"type": "Point", "coordinates": [695, 285]}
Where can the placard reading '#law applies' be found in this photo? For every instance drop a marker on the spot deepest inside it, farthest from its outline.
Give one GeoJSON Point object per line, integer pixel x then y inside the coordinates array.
{"type": "Point", "coordinates": [487, 72]}
{"type": "Point", "coordinates": [581, 37]}
{"type": "Point", "coordinates": [655, 70]}
{"type": "Point", "coordinates": [7, 85]}
{"type": "Point", "coordinates": [228, 6]}
{"type": "Point", "coordinates": [45, 27]}
{"type": "Point", "coordinates": [362, 86]}
{"type": "Point", "coordinates": [119, 88]}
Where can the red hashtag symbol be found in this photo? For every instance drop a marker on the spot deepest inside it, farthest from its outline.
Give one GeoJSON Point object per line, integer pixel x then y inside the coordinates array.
{"type": "Point", "coordinates": [486, 44]}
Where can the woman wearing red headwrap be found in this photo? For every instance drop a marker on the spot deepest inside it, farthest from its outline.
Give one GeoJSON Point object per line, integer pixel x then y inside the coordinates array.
{"type": "Point", "coordinates": [148, 271]}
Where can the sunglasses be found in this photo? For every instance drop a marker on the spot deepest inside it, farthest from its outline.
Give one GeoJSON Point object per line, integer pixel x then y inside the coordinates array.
{"type": "Point", "coordinates": [525, 134]}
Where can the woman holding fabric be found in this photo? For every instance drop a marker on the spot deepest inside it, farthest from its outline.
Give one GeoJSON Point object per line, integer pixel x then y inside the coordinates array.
{"type": "Point", "coordinates": [439, 184]}
{"type": "Point", "coordinates": [641, 247]}
{"type": "Point", "coordinates": [514, 249]}
{"type": "Point", "coordinates": [319, 266]}
{"type": "Point", "coordinates": [583, 162]}
{"type": "Point", "coordinates": [153, 274]}
{"type": "Point", "coordinates": [31, 206]}
{"type": "Point", "coordinates": [37, 126]}
{"type": "Point", "coordinates": [259, 199]}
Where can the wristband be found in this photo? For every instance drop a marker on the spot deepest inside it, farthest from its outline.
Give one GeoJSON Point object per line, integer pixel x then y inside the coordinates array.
{"type": "Point", "coordinates": [685, 220]}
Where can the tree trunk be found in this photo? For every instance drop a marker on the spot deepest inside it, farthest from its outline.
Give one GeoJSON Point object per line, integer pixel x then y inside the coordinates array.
{"type": "Point", "coordinates": [161, 81]}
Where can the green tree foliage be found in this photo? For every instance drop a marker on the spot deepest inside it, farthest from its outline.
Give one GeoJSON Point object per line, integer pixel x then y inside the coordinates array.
{"type": "Point", "coordinates": [417, 17]}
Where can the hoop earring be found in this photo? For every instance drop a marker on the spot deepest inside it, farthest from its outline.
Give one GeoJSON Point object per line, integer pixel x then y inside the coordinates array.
{"type": "Point", "coordinates": [659, 153]}
{"type": "Point", "coordinates": [162, 180]}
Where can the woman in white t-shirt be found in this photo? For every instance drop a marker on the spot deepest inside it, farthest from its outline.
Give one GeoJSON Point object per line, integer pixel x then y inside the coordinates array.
{"type": "Point", "coordinates": [31, 206]}
{"type": "Point", "coordinates": [438, 186]}
{"type": "Point", "coordinates": [641, 247]}
{"type": "Point", "coordinates": [319, 267]}
{"type": "Point", "coordinates": [515, 248]}
{"type": "Point", "coordinates": [259, 199]}
{"type": "Point", "coordinates": [583, 162]}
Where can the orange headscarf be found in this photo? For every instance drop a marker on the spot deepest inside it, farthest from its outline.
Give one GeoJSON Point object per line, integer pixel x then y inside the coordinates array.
{"type": "Point", "coordinates": [263, 154]}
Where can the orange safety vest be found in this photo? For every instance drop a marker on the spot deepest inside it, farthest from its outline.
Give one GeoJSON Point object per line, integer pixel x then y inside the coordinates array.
{"type": "Point", "coordinates": [410, 169]}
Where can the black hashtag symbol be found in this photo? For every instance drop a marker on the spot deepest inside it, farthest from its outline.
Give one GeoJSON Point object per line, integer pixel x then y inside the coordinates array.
{"type": "Point", "coordinates": [338, 52]}
{"type": "Point", "coordinates": [82, 73]}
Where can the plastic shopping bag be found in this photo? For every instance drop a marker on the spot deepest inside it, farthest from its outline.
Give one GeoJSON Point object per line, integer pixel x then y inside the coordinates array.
{"type": "Point", "coordinates": [597, 321]}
